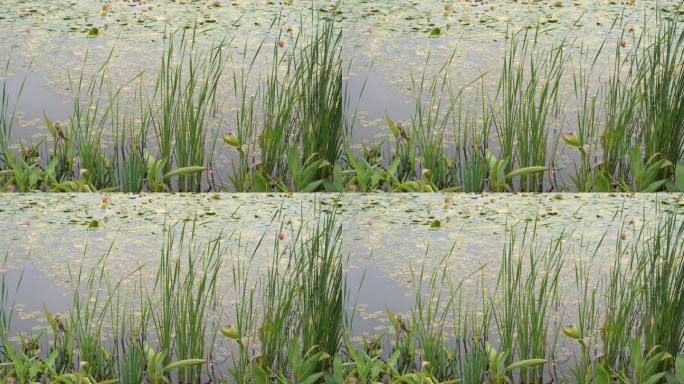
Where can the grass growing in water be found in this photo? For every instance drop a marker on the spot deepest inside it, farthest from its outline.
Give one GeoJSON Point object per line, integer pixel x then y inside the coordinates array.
{"type": "Point", "coordinates": [290, 132]}
{"type": "Point", "coordinates": [293, 321]}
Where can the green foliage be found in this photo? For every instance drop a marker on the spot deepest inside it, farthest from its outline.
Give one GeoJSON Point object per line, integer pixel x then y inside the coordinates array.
{"type": "Point", "coordinates": [499, 373]}
{"type": "Point", "coordinates": [292, 325]}
{"type": "Point", "coordinates": [157, 372]}
{"type": "Point", "coordinates": [157, 181]}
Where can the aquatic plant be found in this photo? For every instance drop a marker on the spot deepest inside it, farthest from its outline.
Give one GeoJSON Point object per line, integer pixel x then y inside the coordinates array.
{"type": "Point", "coordinates": [528, 87]}
{"type": "Point", "coordinates": [660, 81]}
{"type": "Point", "coordinates": [292, 320]}
{"type": "Point", "coordinates": [84, 131]}
{"type": "Point", "coordinates": [185, 290]}
{"type": "Point", "coordinates": [662, 282]}
{"type": "Point", "coordinates": [321, 128]}
{"type": "Point", "coordinates": [295, 118]}
{"type": "Point", "coordinates": [7, 117]}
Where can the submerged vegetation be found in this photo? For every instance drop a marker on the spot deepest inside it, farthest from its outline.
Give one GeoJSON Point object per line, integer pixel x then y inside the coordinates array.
{"type": "Point", "coordinates": [294, 322]}
{"type": "Point", "coordinates": [291, 129]}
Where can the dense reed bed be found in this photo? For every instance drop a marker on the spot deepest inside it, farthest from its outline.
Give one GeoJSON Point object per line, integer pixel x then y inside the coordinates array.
{"type": "Point", "coordinates": [290, 128]}
{"type": "Point", "coordinates": [294, 321]}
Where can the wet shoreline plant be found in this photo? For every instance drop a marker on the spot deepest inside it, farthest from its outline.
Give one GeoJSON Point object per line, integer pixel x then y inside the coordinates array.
{"type": "Point", "coordinates": [294, 320]}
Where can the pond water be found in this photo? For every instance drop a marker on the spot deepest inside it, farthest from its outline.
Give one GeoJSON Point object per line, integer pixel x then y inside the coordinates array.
{"type": "Point", "coordinates": [387, 43]}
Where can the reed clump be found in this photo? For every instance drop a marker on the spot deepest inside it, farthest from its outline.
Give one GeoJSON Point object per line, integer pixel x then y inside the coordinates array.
{"type": "Point", "coordinates": [290, 128]}
{"type": "Point", "coordinates": [295, 320]}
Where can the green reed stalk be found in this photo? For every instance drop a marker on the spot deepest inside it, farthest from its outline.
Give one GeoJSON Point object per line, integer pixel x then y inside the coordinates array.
{"type": "Point", "coordinates": [529, 289]}
{"type": "Point", "coordinates": [428, 320]}
{"type": "Point", "coordinates": [510, 274]}
{"type": "Point", "coordinates": [165, 290]}
{"type": "Point", "coordinates": [588, 317]}
{"type": "Point", "coordinates": [509, 89]}
{"type": "Point", "coordinates": [588, 122]}
{"type": "Point", "coordinates": [280, 299]}
{"type": "Point", "coordinates": [428, 125]}
{"type": "Point", "coordinates": [540, 294]}
{"type": "Point", "coordinates": [186, 291]}
{"type": "Point", "coordinates": [621, 105]}
{"type": "Point", "coordinates": [621, 320]}
{"type": "Point", "coordinates": [130, 325]}
{"type": "Point", "coordinates": [472, 148]}
{"type": "Point", "coordinates": [246, 123]}
{"type": "Point", "coordinates": [475, 334]}
{"type": "Point", "coordinates": [86, 124]}
{"type": "Point", "coordinates": [528, 88]}
{"type": "Point", "coordinates": [323, 286]}
{"type": "Point", "coordinates": [321, 97]}
{"type": "Point", "coordinates": [168, 91]}
{"type": "Point", "coordinates": [196, 297]}
{"type": "Point", "coordinates": [475, 360]}
{"type": "Point", "coordinates": [662, 281]}
{"type": "Point", "coordinates": [246, 317]}
{"type": "Point", "coordinates": [7, 306]}
{"type": "Point", "coordinates": [661, 81]}
{"type": "Point", "coordinates": [196, 102]}
{"type": "Point", "coordinates": [130, 145]}
{"type": "Point", "coordinates": [87, 320]}
{"type": "Point", "coordinates": [7, 117]}
{"type": "Point", "coordinates": [279, 107]}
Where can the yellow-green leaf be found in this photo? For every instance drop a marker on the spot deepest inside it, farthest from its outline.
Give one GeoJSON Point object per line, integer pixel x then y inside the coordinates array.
{"type": "Point", "coordinates": [572, 140]}
{"type": "Point", "coordinates": [230, 332]}
{"type": "Point", "coordinates": [571, 332]}
{"type": "Point", "coordinates": [231, 139]}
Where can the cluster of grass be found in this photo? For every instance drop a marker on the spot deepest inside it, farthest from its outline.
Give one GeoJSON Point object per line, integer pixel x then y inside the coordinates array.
{"type": "Point", "coordinates": [293, 321]}
{"type": "Point", "coordinates": [291, 130]}
{"type": "Point", "coordinates": [106, 337]}
{"type": "Point", "coordinates": [289, 127]}
{"type": "Point", "coordinates": [79, 160]}
{"type": "Point", "coordinates": [627, 127]}
{"type": "Point", "coordinates": [631, 143]}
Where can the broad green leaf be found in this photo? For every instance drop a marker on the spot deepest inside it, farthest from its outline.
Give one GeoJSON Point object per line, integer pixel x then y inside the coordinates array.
{"type": "Point", "coordinates": [230, 332]}
{"type": "Point", "coordinates": [51, 127]}
{"type": "Point", "coordinates": [184, 171]}
{"type": "Point", "coordinates": [602, 376]}
{"type": "Point", "coordinates": [312, 378]}
{"type": "Point", "coordinates": [392, 319]}
{"type": "Point", "coordinates": [654, 379]}
{"type": "Point", "coordinates": [311, 187]}
{"type": "Point", "coordinates": [572, 332]}
{"type": "Point", "coordinates": [393, 127]}
{"type": "Point", "coordinates": [259, 183]}
{"type": "Point", "coordinates": [183, 364]}
{"type": "Point", "coordinates": [654, 186]}
{"type": "Point", "coordinates": [572, 140]}
{"type": "Point", "coordinates": [525, 171]}
{"type": "Point", "coordinates": [259, 375]}
{"type": "Point", "coordinates": [526, 364]}
{"type": "Point", "coordinates": [679, 177]}
{"type": "Point", "coordinates": [231, 139]}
